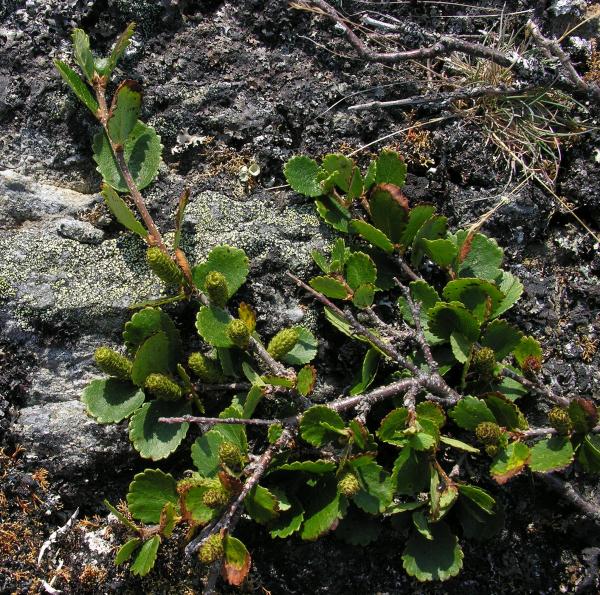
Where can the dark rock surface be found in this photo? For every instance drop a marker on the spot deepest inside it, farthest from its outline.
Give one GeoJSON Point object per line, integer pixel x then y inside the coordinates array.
{"type": "Point", "coordinates": [227, 84]}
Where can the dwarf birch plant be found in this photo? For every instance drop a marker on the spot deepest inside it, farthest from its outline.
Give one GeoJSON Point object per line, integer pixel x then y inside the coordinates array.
{"type": "Point", "coordinates": [441, 381]}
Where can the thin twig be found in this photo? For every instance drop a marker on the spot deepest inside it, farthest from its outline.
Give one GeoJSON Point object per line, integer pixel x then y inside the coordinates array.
{"type": "Point", "coordinates": [192, 419]}
{"type": "Point", "coordinates": [443, 100]}
{"type": "Point", "coordinates": [569, 493]}
{"type": "Point", "coordinates": [221, 387]}
{"type": "Point", "coordinates": [534, 386]}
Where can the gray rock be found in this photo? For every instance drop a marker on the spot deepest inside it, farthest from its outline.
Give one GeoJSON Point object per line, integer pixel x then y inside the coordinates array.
{"type": "Point", "coordinates": [80, 231]}
{"type": "Point", "coordinates": [62, 438]}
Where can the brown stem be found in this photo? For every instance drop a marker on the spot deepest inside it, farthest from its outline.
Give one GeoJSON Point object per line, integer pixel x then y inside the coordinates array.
{"type": "Point", "coordinates": [535, 387]}
{"type": "Point", "coordinates": [358, 327]}
{"type": "Point", "coordinates": [192, 419]}
{"type": "Point", "coordinates": [569, 493]}
{"type": "Point", "coordinates": [273, 365]}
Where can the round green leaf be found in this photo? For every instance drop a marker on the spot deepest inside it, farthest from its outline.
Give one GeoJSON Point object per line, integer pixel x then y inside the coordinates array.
{"type": "Point", "coordinates": [149, 492]}
{"type": "Point", "coordinates": [148, 322]}
{"type": "Point", "coordinates": [446, 318]}
{"type": "Point", "coordinates": [124, 111]}
{"type": "Point", "coordinates": [153, 439]}
{"type": "Point", "coordinates": [311, 428]}
{"type": "Point", "coordinates": [390, 168]}
{"type": "Point", "coordinates": [301, 174]}
{"type": "Point", "coordinates": [305, 349]}
{"type": "Point", "coordinates": [142, 152]}
{"type": "Point", "coordinates": [483, 258]}
{"type": "Point", "coordinates": [288, 521]}
{"type": "Point", "coordinates": [469, 412]}
{"type": "Point", "coordinates": [205, 453]}
{"type": "Point", "coordinates": [261, 505]}
{"type": "Point", "coordinates": [479, 296]}
{"type": "Point", "coordinates": [360, 270]}
{"type": "Point", "coordinates": [305, 380]}
{"type": "Point", "coordinates": [212, 323]}
{"type": "Point", "coordinates": [387, 214]}
{"type": "Point", "coordinates": [232, 263]}
{"type": "Point", "coordinates": [437, 559]}
{"type": "Point", "coordinates": [363, 296]}
{"type": "Point", "coordinates": [551, 454]}
{"type": "Point", "coordinates": [110, 400]}
{"type": "Point", "coordinates": [502, 337]}
{"type": "Point", "coordinates": [510, 461]}
{"type": "Point", "coordinates": [194, 504]}
{"type": "Point", "coordinates": [329, 287]}
{"type": "Point", "coordinates": [478, 496]}
{"type": "Point", "coordinates": [153, 357]}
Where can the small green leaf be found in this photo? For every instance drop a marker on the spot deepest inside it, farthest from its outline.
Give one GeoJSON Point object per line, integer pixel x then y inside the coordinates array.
{"type": "Point", "coordinates": [122, 213]}
{"type": "Point", "coordinates": [387, 214]}
{"type": "Point", "coordinates": [274, 433]}
{"type": "Point", "coordinates": [83, 54]}
{"type": "Point", "coordinates": [478, 496]}
{"type": "Point", "coordinates": [426, 410]}
{"type": "Point", "coordinates": [324, 507]}
{"type": "Point", "coordinates": [144, 561]}
{"type": "Point", "coordinates": [110, 400]}
{"type": "Point", "coordinates": [288, 521]}
{"type": "Point", "coordinates": [390, 169]}
{"type": "Point", "coordinates": [231, 432]}
{"type": "Point", "coordinates": [510, 461]}
{"type": "Point", "coordinates": [305, 380]}
{"type": "Point", "coordinates": [512, 289]}
{"type": "Point", "coordinates": [483, 258]}
{"type": "Point", "coordinates": [205, 453]}
{"type": "Point", "coordinates": [583, 414]}
{"type": "Point", "coordinates": [153, 439]}
{"type": "Point", "coordinates": [78, 87]}
{"type": "Point", "coordinates": [232, 263]}
{"type": "Point", "coordinates": [393, 426]}
{"type": "Point", "coordinates": [433, 229]}
{"type": "Point", "coordinates": [370, 175]}
{"type": "Point", "coordinates": [360, 270]}
{"type": "Point", "coordinates": [120, 47]}
{"type": "Point", "coordinates": [376, 488]}
{"type": "Point", "coordinates": [305, 349]}
{"type": "Point", "coordinates": [510, 388]}
{"type": "Point", "coordinates": [459, 444]}
{"type": "Point", "coordinates": [372, 235]}
{"type": "Point", "coordinates": [153, 357]}
{"type": "Point", "coordinates": [194, 504]}
{"type": "Point", "coordinates": [437, 559]}
{"type": "Point", "coordinates": [502, 337]}
{"type": "Point", "coordinates": [317, 467]}
{"type": "Point", "coordinates": [301, 174]}
{"type": "Point", "coordinates": [253, 398]}
{"type": "Point", "coordinates": [120, 516]}
{"type": "Point", "coordinates": [149, 492]}
{"type": "Point", "coordinates": [368, 372]}
{"type": "Point", "coordinates": [551, 454]}
{"type": "Point", "coordinates": [333, 213]}
{"type": "Point", "coordinates": [329, 287]}
{"type": "Point", "coordinates": [124, 111]}
{"type": "Point", "coordinates": [447, 318]}
{"type": "Point", "coordinates": [469, 412]}
{"type": "Point", "coordinates": [212, 323]}
{"type": "Point", "coordinates": [278, 381]}
{"type": "Point", "coordinates": [507, 414]}
{"type": "Point", "coordinates": [261, 505]}
{"type": "Point", "coordinates": [340, 171]}
{"type": "Point", "coordinates": [363, 296]}
{"type": "Point", "coordinates": [146, 323]}
{"type": "Point", "coordinates": [423, 294]}
{"type": "Point", "coordinates": [320, 261]}
{"type": "Point", "coordinates": [236, 563]}
{"type": "Point", "coordinates": [480, 297]}
{"type": "Point", "coordinates": [442, 252]}
{"type": "Point", "coordinates": [527, 347]}
{"type": "Point", "coordinates": [588, 454]}
{"type": "Point", "coordinates": [461, 347]}
{"type": "Point", "coordinates": [126, 550]}
{"type": "Point", "coordinates": [416, 218]}
{"type": "Point", "coordinates": [312, 429]}
{"type": "Point", "coordinates": [142, 152]}
{"type": "Point", "coordinates": [410, 474]}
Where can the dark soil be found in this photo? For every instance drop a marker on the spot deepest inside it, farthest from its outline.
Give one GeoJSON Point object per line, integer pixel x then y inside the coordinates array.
{"type": "Point", "coordinates": [247, 74]}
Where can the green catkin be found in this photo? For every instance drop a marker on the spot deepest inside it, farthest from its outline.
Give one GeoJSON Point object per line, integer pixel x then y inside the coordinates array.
{"type": "Point", "coordinates": [206, 369]}
{"type": "Point", "coordinates": [216, 497]}
{"type": "Point", "coordinates": [348, 484]}
{"type": "Point", "coordinates": [215, 287]}
{"type": "Point", "coordinates": [483, 362]}
{"type": "Point", "coordinates": [163, 266]}
{"type": "Point", "coordinates": [283, 342]}
{"type": "Point", "coordinates": [559, 419]}
{"type": "Point", "coordinates": [230, 455]}
{"type": "Point", "coordinates": [163, 388]}
{"type": "Point", "coordinates": [211, 550]}
{"type": "Point", "coordinates": [238, 333]}
{"type": "Point", "coordinates": [113, 363]}
{"type": "Point", "coordinates": [488, 432]}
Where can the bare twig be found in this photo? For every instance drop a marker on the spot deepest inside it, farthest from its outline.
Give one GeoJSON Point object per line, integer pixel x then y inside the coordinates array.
{"type": "Point", "coordinates": [192, 419]}
{"type": "Point", "coordinates": [569, 493]}
{"type": "Point", "coordinates": [443, 100]}
{"type": "Point", "coordinates": [536, 387]}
